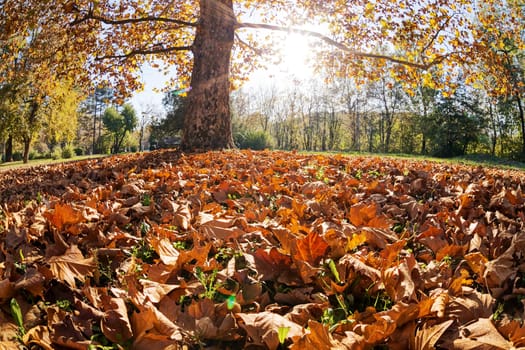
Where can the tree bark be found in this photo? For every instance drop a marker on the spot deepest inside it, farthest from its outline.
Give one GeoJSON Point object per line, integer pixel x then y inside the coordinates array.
{"type": "Point", "coordinates": [207, 121]}
{"type": "Point", "coordinates": [9, 149]}
{"type": "Point", "coordinates": [27, 147]}
{"type": "Point", "coordinates": [522, 123]}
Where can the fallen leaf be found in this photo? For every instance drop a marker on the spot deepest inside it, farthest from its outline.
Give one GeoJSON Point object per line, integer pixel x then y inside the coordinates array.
{"type": "Point", "coordinates": [429, 334]}
{"type": "Point", "coordinates": [263, 328]}
{"type": "Point", "coordinates": [72, 265]}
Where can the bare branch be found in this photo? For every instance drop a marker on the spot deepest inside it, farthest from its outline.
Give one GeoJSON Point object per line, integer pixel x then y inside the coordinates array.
{"type": "Point", "coordinates": [151, 51]}
{"type": "Point", "coordinates": [342, 46]}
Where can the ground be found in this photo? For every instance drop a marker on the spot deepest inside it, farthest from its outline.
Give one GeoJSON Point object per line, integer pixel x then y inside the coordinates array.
{"type": "Point", "coordinates": [241, 249]}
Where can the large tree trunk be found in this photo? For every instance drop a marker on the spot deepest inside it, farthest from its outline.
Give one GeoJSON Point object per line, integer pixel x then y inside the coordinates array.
{"type": "Point", "coordinates": [207, 121]}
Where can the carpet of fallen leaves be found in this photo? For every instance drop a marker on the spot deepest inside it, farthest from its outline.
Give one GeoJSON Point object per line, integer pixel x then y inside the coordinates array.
{"type": "Point", "coordinates": [241, 249]}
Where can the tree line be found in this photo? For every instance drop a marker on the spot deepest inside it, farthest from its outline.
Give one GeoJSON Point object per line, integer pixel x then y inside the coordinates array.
{"type": "Point", "coordinates": [379, 117]}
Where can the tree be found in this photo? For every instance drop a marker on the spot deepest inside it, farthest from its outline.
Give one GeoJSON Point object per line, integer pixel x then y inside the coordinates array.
{"type": "Point", "coordinates": [390, 98]}
{"type": "Point", "coordinates": [164, 131]}
{"type": "Point", "coordinates": [119, 124]}
{"type": "Point", "coordinates": [457, 121]}
{"type": "Point", "coordinates": [9, 100]}
{"type": "Point", "coordinates": [202, 39]}
{"type": "Point", "coordinates": [36, 59]}
{"type": "Point", "coordinates": [60, 119]}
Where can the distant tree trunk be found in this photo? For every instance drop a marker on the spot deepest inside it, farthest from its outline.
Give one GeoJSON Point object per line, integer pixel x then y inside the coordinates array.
{"type": "Point", "coordinates": [522, 123]}
{"type": "Point", "coordinates": [207, 121]}
{"type": "Point", "coordinates": [9, 149]}
{"type": "Point", "coordinates": [31, 120]}
{"type": "Point", "coordinates": [27, 146]}
{"type": "Point", "coordinates": [424, 144]}
{"type": "Point", "coordinates": [494, 136]}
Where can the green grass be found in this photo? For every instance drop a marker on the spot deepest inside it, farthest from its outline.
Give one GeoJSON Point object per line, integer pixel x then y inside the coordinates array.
{"type": "Point", "coordinates": [35, 162]}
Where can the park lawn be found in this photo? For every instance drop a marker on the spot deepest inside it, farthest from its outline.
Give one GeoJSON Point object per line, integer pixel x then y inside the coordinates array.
{"type": "Point", "coordinates": [46, 161]}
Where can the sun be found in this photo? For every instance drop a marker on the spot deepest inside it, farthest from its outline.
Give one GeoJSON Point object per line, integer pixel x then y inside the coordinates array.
{"type": "Point", "coordinates": [297, 57]}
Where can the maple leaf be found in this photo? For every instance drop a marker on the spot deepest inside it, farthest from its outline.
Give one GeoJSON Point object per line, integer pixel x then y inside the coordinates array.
{"type": "Point", "coordinates": [478, 334]}
{"type": "Point", "coordinates": [39, 336]}
{"type": "Point", "coordinates": [167, 252]}
{"type": "Point", "coordinates": [71, 265]}
{"type": "Point", "coordinates": [514, 331]}
{"type": "Point", "coordinates": [64, 215]}
{"type": "Point", "coordinates": [155, 291]}
{"type": "Point", "coordinates": [263, 328]}
{"type": "Point", "coordinates": [311, 249]}
{"type": "Point", "coordinates": [318, 337]}
{"type": "Point", "coordinates": [152, 328]}
{"type": "Point", "coordinates": [429, 334]}
{"type": "Point", "coordinates": [115, 324]}
{"type": "Point", "coordinates": [271, 263]}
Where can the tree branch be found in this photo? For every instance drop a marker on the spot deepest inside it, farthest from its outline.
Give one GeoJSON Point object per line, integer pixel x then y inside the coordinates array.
{"type": "Point", "coordinates": [105, 20]}
{"type": "Point", "coordinates": [342, 46]}
{"type": "Point", "coordinates": [245, 44]}
{"type": "Point", "coordinates": [151, 51]}
{"type": "Point", "coordinates": [440, 29]}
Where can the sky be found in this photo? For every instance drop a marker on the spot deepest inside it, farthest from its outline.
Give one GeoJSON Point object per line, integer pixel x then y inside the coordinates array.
{"type": "Point", "coordinates": [296, 54]}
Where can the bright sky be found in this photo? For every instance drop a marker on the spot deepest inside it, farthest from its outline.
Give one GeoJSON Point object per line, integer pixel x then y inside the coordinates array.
{"type": "Point", "coordinates": [296, 54]}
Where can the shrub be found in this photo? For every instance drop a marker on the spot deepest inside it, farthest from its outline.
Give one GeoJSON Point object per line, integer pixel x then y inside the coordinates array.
{"type": "Point", "coordinates": [56, 153]}
{"type": "Point", "coordinates": [79, 151]}
{"type": "Point", "coordinates": [34, 155]}
{"type": "Point", "coordinates": [255, 140]}
{"type": "Point", "coordinates": [17, 156]}
{"type": "Point", "coordinates": [68, 152]}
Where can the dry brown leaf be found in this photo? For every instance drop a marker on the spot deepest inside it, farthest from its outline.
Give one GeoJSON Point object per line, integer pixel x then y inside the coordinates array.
{"type": "Point", "coordinates": [64, 214]}
{"type": "Point", "coordinates": [310, 249]}
{"type": "Point", "coordinates": [167, 252]}
{"type": "Point", "coordinates": [271, 263]}
{"type": "Point", "coordinates": [72, 265]}
{"type": "Point", "coordinates": [263, 328]}
{"type": "Point", "coordinates": [481, 334]}
{"type": "Point", "coordinates": [318, 337]}
{"type": "Point", "coordinates": [279, 240]}
{"type": "Point", "coordinates": [429, 334]}
{"type": "Point", "coordinates": [115, 324]}
{"type": "Point", "coordinates": [38, 336]}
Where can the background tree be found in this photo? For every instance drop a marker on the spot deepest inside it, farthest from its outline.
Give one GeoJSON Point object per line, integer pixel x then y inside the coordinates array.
{"type": "Point", "coordinates": [37, 57]}
{"type": "Point", "coordinates": [119, 124]}
{"type": "Point", "coordinates": [457, 123]}
{"type": "Point", "coordinates": [60, 114]}
{"type": "Point", "coordinates": [165, 132]}
{"type": "Point", "coordinates": [9, 101]}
